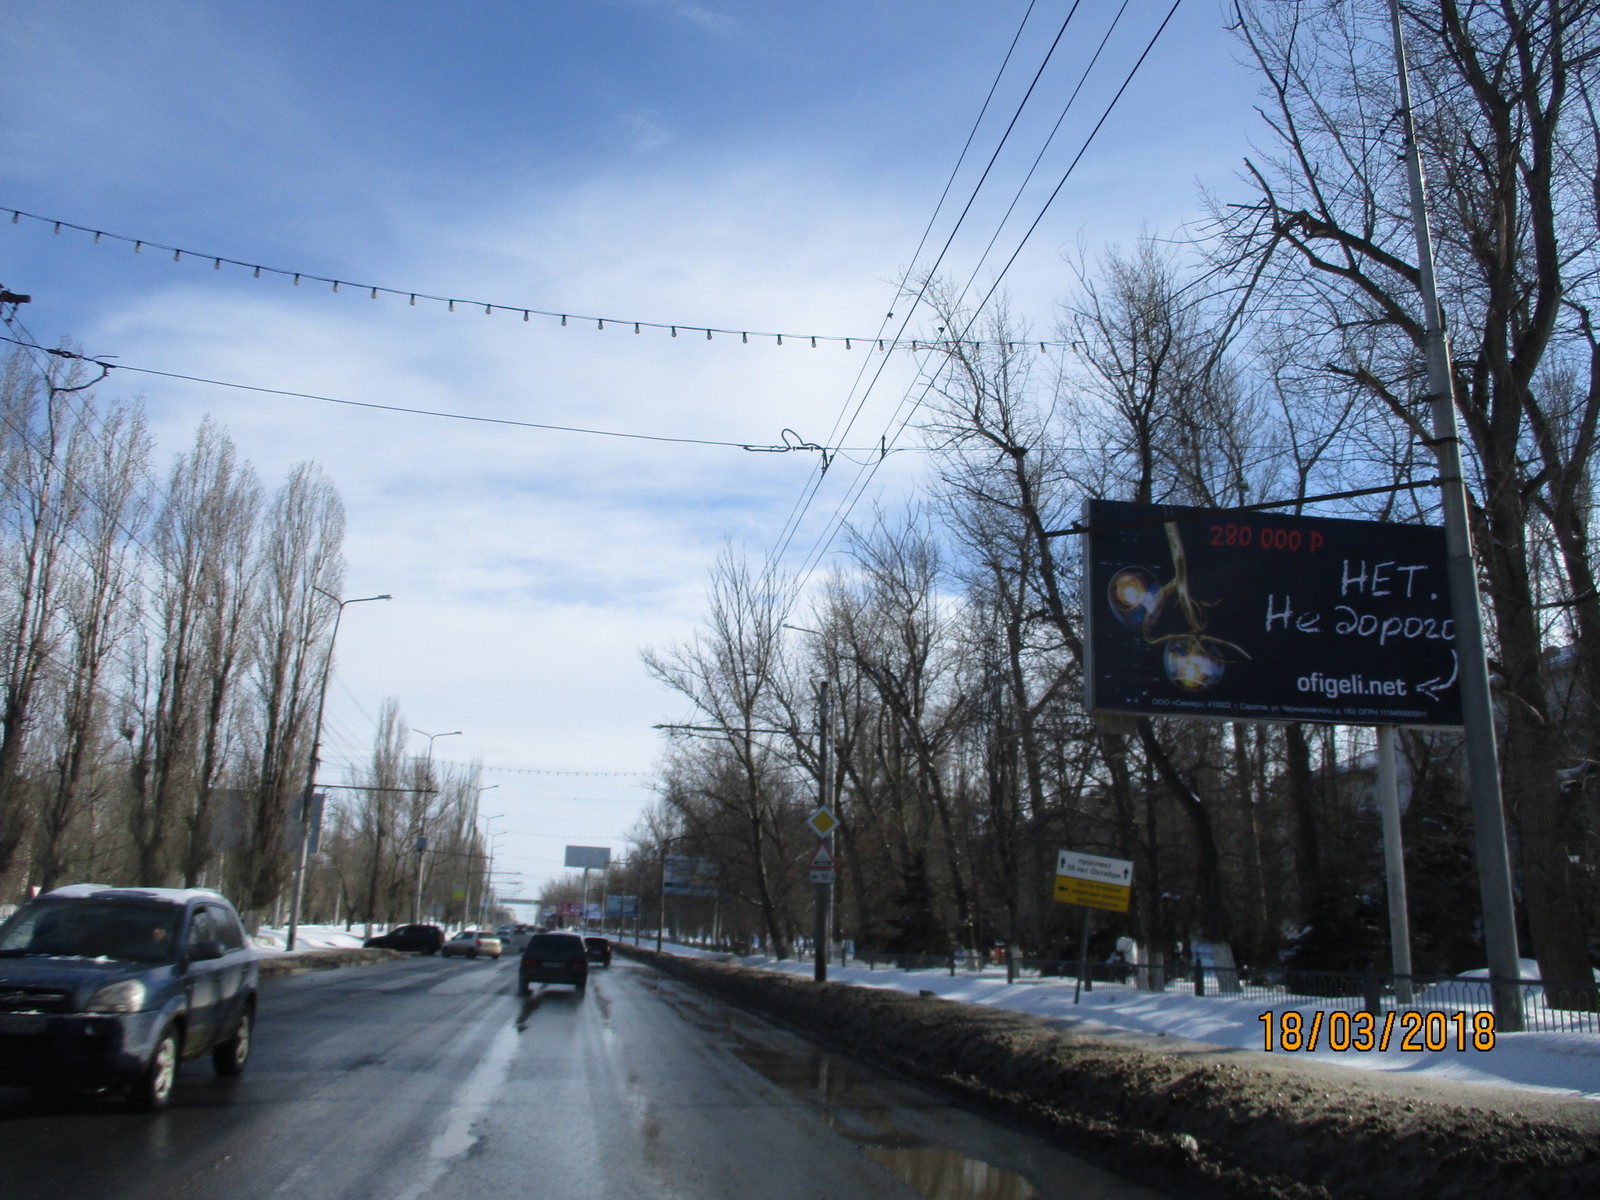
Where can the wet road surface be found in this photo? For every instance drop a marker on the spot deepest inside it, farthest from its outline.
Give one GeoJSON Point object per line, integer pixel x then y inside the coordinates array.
{"type": "Point", "coordinates": [428, 1078]}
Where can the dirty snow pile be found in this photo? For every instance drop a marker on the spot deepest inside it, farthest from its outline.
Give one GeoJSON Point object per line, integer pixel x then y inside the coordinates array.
{"type": "Point", "coordinates": [1561, 1063]}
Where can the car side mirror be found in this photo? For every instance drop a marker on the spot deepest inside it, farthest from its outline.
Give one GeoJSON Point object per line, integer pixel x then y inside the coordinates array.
{"type": "Point", "coordinates": [205, 950]}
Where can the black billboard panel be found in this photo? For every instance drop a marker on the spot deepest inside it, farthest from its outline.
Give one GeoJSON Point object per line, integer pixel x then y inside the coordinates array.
{"type": "Point", "coordinates": [1252, 616]}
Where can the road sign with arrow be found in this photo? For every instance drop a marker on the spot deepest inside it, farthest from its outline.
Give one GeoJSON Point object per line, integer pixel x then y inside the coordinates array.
{"type": "Point", "coordinates": [1093, 881]}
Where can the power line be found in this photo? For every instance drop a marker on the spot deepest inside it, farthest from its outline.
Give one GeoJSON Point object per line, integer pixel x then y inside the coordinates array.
{"type": "Point", "coordinates": [791, 441]}
{"type": "Point", "coordinates": [868, 472]}
{"type": "Point", "coordinates": [552, 771]}
{"type": "Point", "coordinates": [791, 527]}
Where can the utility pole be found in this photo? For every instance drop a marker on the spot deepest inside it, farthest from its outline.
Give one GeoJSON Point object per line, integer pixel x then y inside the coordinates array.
{"type": "Point", "coordinates": [1477, 703]}
{"type": "Point", "coordinates": [824, 891]}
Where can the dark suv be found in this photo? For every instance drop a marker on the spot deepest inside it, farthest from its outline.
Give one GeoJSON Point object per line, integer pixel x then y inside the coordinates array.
{"type": "Point", "coordinates": [598, 948]}
{"type": "Point", "coordinates": [110, 988]}
{"type": "Point", "coordinates": [554, 958]}
{"type": "Point", "coordinates": [425, 939]}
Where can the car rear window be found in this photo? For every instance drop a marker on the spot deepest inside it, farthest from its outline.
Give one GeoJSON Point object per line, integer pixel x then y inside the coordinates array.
{"type": "Point", "coordinates": [554, 946]}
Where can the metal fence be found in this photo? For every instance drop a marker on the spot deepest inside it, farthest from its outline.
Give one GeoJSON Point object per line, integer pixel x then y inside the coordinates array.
{"type": "Point", "coordinates": [1560, 1007]}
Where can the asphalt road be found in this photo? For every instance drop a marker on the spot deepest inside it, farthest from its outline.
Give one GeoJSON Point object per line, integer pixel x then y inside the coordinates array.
{"type": "Point", "coordinates": [430, 1079]}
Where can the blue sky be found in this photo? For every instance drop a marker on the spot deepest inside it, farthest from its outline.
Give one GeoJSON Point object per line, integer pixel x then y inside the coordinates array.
{"type": "Point", "coordinates": [765, 166]}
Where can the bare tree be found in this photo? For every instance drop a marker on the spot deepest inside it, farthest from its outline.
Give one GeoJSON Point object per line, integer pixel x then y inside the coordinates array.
{"type": "Point", "coordinates": [728, 674]}
{"type": "Point", "coordinates": [302, 569]}
{"type": "Point", "coordinates": [106, 458]}
{"type": "Point", "coordinates": [39, 506]}
{"type": "Point", "coordinates": [1509, 133]}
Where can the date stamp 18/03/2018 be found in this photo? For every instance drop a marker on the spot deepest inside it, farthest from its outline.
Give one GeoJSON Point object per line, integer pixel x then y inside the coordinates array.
{"type": "Point", "coordinates": [1413, 1030]}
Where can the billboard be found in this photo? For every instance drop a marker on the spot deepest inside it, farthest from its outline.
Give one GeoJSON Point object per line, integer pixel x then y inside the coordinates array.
{"type": "Point", "coordinates": [1194, 612]}
{"type": "Point", "coordinates": [596, 857]}
{"type": "Point", "coordinates": [684, 876]}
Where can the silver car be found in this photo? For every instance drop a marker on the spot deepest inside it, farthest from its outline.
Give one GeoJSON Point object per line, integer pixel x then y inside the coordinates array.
{"type": "Point", "coordinates": [471, 944]}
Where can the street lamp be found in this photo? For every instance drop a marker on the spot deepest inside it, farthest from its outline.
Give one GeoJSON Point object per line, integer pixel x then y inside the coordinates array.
{"type": "Point", "coordinates": [473, 876]}
{"type": "Point", "coordinates": [311, 770]}
{"type": "Point", "coordinates": [422, 824]}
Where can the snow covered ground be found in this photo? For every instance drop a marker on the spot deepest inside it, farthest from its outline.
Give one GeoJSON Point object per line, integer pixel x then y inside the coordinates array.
{"type": "Point", "coordinates": [307, 937]}
{"type": "Point", "coordinates": [1565, 1063]}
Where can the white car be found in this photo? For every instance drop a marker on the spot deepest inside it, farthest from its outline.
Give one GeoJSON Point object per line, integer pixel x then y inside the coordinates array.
{"type": "Point", "coordinates": [472, 944]}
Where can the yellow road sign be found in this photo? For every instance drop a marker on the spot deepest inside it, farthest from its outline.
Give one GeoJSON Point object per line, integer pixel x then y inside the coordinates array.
{"type": "Point", "coordinates": [1092, 893]}
{"type": "Point", "coordinates": [822, 822]}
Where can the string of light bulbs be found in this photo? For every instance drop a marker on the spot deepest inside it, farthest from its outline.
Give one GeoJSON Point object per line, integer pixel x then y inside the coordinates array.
{"type": "Point", "coordinates": [490, 307]}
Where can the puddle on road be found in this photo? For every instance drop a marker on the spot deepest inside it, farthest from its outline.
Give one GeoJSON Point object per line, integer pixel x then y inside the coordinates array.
{"type": "Point", "coordinates": [849, 1106]}
{"type": "Point", "coordinates": [941, 1174]}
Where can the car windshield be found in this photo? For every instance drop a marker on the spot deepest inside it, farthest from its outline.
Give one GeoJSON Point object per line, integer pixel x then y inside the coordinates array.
{"type": "Point", "coordinates": [114, 929]}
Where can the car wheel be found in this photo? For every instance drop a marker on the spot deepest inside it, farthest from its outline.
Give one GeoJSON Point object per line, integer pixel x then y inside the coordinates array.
{"type": "Point", "coordinates": [228, 1058]}
{"type": "Point", "coordinates": [153, 1088]}
{"type": "Point", "coordinates": [472, 954]}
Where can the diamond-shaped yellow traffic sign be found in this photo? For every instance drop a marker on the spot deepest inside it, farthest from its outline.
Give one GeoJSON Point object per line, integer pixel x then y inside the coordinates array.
{"type": "Point", "coordinates": [822, 822]}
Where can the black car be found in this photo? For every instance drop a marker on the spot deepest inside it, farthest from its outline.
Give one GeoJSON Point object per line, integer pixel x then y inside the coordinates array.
{"type": "Point", "coordinates": [108, 989]}
{"type": "Point", "coordinates": [598, 949]}
{"type": "Point", "coordinates": [554, 958]}
{"type": "Point", "coordinates": [425, 939]}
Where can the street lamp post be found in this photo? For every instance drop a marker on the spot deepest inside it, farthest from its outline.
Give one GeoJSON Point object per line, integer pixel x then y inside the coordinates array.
{"type": "Point", "coordinates": [486, 901]}
{"type": "Point", "coordinates": [311, 770]}
{"type": "Point", "coordinates": [468, 908]}
{"type": "Point", "coordinates": [422, 823]}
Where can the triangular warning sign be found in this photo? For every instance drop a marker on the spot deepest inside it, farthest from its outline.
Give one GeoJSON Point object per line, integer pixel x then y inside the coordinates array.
{"type": "Point", "coordinates": [821, 858]}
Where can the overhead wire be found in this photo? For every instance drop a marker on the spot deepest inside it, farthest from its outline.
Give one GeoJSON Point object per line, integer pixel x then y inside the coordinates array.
{"type": "Point", "coordinates": [790, 442]}
{"type": "Point", "coordinates": [869, 470]}
{"type": "Point", "coordinates": [928, 274]}
{"type": "Point", "coordinates": [865, 476]}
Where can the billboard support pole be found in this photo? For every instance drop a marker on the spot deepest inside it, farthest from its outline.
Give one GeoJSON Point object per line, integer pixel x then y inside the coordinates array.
{"type": "Point", "coordinates": [1477, 703]}
{"type": "Point", "coordinates": [1394, 865]}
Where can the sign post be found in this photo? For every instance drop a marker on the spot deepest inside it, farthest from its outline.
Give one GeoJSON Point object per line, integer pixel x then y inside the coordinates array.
{"type": "Point", "coordinates": [1092, 881]}
{"type": "Point", "coordinates": [588, 858]}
